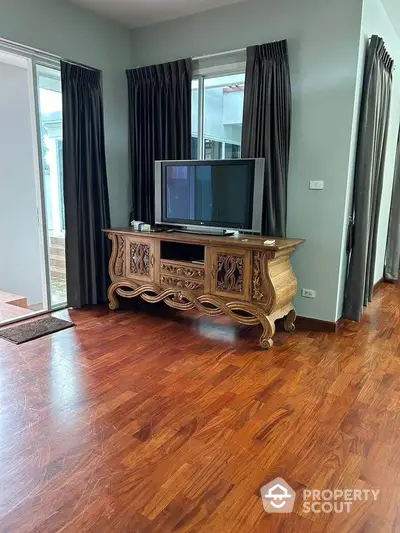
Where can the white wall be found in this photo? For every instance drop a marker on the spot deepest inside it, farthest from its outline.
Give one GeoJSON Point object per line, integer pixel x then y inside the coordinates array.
{"type": "Point", "coordinates": [323, 38]}
{"type": "Point", "coordinates": [20, 259]}
{"type": "Point", "coordinates": [233, 107]}
{"type": "Point", "coordinates": [62, 28]}
{"type": "Point", "coordinates": [223, 115]}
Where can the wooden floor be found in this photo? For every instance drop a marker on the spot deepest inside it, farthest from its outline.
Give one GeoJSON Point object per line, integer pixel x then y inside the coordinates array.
{"type": "Point", "coordinates": [12, 306]}
{"type": "Point", "coordinates": [162, 422]}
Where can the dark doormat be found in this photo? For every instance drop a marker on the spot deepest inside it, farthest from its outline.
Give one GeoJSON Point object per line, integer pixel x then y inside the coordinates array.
{"type": "Point", "coordinates": [34, 330]}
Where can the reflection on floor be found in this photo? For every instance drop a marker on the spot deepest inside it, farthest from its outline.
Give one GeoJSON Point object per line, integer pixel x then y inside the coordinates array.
{"type": "Point", "coordinates": [152, 421]}
{"type": "Point", "coordinates": [13, 306]}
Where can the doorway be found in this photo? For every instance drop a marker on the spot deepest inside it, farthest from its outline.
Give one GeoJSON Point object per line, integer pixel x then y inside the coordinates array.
{"type": "Point", "coordinates": [32, 261]}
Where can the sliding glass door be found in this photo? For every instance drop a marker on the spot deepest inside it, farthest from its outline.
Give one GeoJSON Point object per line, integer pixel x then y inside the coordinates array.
{"type": "Point", "coordinates": [50, 117]}
{"type": "Point", "coordinates": [22, 274]}
{"type": "Point", "coordinates": [32, 262]}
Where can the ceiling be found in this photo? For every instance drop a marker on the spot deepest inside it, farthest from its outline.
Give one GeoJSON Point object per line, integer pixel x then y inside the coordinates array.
{"type": "Point", "coordinates": [137, 13]}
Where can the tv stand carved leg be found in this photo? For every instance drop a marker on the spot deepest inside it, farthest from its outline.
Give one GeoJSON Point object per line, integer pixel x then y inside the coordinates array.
{"type": "Point", "coordinates": [266, 341]}
{"type": "Point", "coordinates": [290, 318]}
{"type": "Point", "coordinates": [112, 298]}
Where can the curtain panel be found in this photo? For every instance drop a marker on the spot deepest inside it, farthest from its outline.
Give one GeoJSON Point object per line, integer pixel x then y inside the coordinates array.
{"type": "Point", "coordinates": [392, 263]}
{"type": "Point", "coordinates": [368, 178]}
{"type": "Point", "coordinates": [160, 114]}
{"type": "Point", "coordinates": [86, 199]}
{"type": "Point", "coordinates": [267, 126]}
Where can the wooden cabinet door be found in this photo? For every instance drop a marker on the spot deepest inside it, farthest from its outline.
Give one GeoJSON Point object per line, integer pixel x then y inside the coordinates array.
{"type": "Point", "coordinates": [140, 259]}
{"type": "Point", "coordinates": [117, 269]}
{"type": "Point", "coordinates": [230, 272]}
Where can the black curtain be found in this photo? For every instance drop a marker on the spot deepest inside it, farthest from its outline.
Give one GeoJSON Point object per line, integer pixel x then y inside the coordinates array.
{"type": "Point", "coordinates": [85, 186]}
{"type": "Point", "coordinates": [267, 126]}
{"type": "Point", "coordinates": [368, 178]}
{"type": "Point", "coordinates": [160, 113]}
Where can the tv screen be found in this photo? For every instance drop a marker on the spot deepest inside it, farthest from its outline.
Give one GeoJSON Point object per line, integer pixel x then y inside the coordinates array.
{"type": "Point", "coordinates": [219, 193]}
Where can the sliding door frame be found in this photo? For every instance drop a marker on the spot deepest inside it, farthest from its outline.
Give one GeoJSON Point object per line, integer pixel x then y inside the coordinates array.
{"type": "Point", "coordinates": [35, 59]}
{"type": "Point", "coordinates": [42, 202]}
{"type": "Point", "coordinates": [54, 65]}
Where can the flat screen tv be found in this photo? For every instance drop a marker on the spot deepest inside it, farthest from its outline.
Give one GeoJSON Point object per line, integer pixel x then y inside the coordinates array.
{"type": "Point", "coordinates": [206, 195]}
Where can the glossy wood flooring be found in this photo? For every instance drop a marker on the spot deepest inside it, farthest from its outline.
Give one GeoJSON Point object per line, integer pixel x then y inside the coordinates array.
{"type": "Point", "coordinates": [12, 307]}
{"type": "Point", "coordinates": [162, 422]}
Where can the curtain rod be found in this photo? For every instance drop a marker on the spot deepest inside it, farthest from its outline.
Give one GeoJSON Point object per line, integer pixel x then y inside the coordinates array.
{"type": "Point", "coordinates": [205, 56]}
{"type": "Point", "coordinates": [16, 48]}
{"type": "Point", "coordinates": [80, 65]}
{"type": "Point", "coordinates": [228, 52]}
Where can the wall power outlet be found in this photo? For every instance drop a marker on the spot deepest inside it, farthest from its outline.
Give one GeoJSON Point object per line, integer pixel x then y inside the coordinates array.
{"type": "Point", "coordinates": [308, 293]}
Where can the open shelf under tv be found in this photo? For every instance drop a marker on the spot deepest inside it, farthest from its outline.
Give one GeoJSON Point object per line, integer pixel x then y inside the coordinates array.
{"type": "Point", "coordinates": [184, 252]}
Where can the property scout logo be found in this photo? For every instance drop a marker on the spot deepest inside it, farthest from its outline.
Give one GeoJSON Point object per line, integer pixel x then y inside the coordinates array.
{"type": "Point", "coordinates": [278, 497]}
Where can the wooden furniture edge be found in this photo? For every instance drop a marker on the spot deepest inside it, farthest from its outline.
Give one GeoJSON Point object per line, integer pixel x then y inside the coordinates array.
{"type": "Point", "coordinates": [242, 241]}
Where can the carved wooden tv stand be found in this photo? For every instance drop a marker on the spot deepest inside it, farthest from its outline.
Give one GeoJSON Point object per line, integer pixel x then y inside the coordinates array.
{"type": "Point", "coordinates": [239, 276]}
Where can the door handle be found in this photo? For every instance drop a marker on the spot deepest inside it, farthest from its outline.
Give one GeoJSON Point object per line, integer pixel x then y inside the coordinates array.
{"type": "Point", "coordinates": [152, 260]}
{"type": "Point", "coordinates": [213, 271]}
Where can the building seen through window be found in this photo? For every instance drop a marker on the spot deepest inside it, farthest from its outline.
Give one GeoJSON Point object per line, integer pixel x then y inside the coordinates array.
{"type": "Point", "coordinates": [221, 112]}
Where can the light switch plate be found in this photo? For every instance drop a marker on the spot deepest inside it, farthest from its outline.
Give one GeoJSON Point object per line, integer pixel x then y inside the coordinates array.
{"type": "Point", "coordinates": [308, 293]}
{"type": "Point", "coordinates": [317, 185]}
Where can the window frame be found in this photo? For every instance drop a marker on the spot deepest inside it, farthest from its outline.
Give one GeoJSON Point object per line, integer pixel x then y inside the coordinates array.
{"type": "Point", "coordinates": [202, 73]}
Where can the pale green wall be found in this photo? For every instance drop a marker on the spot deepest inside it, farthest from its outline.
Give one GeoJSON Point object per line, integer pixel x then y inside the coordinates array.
{"type": "Point", "coordinates": [61, 28]}
{"type": "Point", "coordinates": [323, 38]}
{"type": "Point", "coordinates": [323, 42]}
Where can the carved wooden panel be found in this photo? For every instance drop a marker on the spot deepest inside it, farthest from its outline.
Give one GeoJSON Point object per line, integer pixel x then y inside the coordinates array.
{"type": "Point", "coordinates": [184, 271]}
{"type": "Point", "coordinates": [139, 259]}
{"type": "Point", "coordinates": [119, 268]}
{"type": "Point", "coordinates": [258, 294]}
{"type": "Point", "coordinates": [188, 284]}
{"type": "Point", "coordinates": [230, 273]}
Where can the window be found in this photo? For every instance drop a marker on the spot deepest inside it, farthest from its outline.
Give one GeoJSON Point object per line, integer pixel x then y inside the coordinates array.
{"type": "Point", "coordinates": [50, 114]}
{"type": "Point", "coordinates": [217, 114]}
